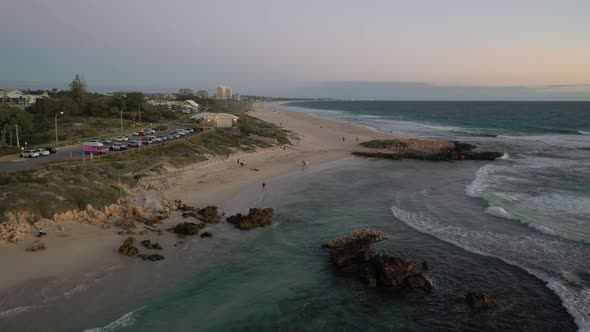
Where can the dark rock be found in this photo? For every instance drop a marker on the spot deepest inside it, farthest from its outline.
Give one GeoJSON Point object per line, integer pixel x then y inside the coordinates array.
{"type": "Point", "coordinates": [351, 254]}
{"type": "Point", "coordinates": [187, 228]}
{"type": "Point", "coordinates": [255, 218]}
{"type": "Point", "coordinates": [128, 248]}
{"type": "Point", "coordinates": [206, 234]}
{"type": "Point", "coordinates": [210, 215]}
{"type": "Point", "coordinates": [391, 150]}
{"type": "Point", "coordinates": [425, 266]}
{"type": "Point", "coordinates": [189, 214]}
{"type": "Point", "coordinates": [480, 301]}
{"type": "Point", "coordinates": [149, 245]}
{"type": "Point", "coordinates": [152, 257]}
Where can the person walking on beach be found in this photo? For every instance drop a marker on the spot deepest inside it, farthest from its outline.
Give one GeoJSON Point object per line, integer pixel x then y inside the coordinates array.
{"type": "Point", "coordinates": [263, 185]}
{"type": "Point", "coordinates": [343, 139]}
{"type": "Point", "coordinates": [238, 161]}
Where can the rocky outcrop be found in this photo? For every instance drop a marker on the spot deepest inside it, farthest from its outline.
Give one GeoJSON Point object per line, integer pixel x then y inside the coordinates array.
{"type": "Point", "coordinates": [352, 254]}
{"type": "Point", "coordinates": [255, 218]}
{"type": "Point", "coordinates": [152, 257]}
{"type": "Point", "coordinates": [149, 245]}
{"type": "Point", "coordinates": [480, 301]}
{"type": "Point", "coordinates": [14, 231]}
{"type": "Point", "coordinates": [210, 215]}
{"type": "Point", "coordinates": [128, 248]}
{"type": "Point", "coordinates": [187, 228]}
{"type": "Point", "coordinates": [206, 234]}
{"type": "Point", "coordinates": [424, 150]}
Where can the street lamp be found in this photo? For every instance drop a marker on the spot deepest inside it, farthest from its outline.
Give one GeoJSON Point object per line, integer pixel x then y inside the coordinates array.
{"type": "Point", "coordinates": [60, 113]}
{"type": "Point", "coordinates": [122, 117]}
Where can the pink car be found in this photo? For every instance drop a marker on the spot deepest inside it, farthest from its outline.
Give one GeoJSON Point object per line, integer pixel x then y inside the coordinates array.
{"type": "Point", "coordinates": [95, 147]}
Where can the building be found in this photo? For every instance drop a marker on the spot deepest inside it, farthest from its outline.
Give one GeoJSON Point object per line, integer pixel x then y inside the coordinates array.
{"type": "Point", "coordinates": [203, 94]}
{"type": "Point", "coordinates": [224, 92]}
{"type": "Point", "coordinates": [185, 92]}
{"type": "Point", "coordinates": [215, 120]}
{"type": "Point", "coordinates": [189, 106]}
{"type": "Point", "coordinates": [16, 98]}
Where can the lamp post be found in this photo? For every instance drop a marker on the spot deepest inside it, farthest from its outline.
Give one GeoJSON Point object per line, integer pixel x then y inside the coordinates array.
{"type": "Point", "coordinates": [122, 117]}
{"type": "Point", "coordinates": [60, 113]}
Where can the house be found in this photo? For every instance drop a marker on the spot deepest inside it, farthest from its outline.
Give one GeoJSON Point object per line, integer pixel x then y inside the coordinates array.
{"type": "Point", "coordinates": [17, 98]}
{"type": "Point", "coordinates": [215, 120]}
{"type": "Point", "coordinates": [189, 106]}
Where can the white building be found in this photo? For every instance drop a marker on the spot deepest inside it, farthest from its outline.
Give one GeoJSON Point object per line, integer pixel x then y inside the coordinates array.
{"type": "Point", "coordinates": [16, 98]}
{"type": "Point", "coordinates": [189, 106]}
{"type": "Point", "coordinates": [215, 120]}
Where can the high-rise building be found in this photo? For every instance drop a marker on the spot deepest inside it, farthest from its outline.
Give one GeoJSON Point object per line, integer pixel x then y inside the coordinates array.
{"type": "Point", "coordinates": [224, 92]}
{"type": "Point", "coordinates": [185, 91]}
{"type": "Point", "coordinates": [203, 94]}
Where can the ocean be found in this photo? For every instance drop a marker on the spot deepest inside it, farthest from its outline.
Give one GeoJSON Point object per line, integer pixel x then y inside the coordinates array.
{"type": "Point", "coordinates": [517, 228]}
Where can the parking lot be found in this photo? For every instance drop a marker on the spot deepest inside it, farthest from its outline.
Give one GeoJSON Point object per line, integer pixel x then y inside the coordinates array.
{"type": "Point", "coordinates": [74, 153]}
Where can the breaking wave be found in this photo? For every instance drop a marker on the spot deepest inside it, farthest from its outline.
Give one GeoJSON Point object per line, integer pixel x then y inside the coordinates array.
{"type": "Point", "coordinates": [549, 259]}
{"type": "Point", "coordinates": [126, 320]}
{"type": "Point", "coordinates": [498, 212]}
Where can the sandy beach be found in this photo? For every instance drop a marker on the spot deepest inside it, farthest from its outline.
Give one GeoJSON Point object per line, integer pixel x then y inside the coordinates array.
{"type": "Point", "coordinates": [79, 247]}
{"type": "Point", "coordinates": [319, 141]}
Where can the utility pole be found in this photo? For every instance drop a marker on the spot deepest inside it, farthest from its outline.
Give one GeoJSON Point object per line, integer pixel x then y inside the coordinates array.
{"type": "Point", "coordinates": [60, 113]}
{"type": "Point", "coordinates": [17, 142]}
{"type": "Point", "coordinates": [122, 117]}
{"type": "Point", "coordinates": [139, 113]}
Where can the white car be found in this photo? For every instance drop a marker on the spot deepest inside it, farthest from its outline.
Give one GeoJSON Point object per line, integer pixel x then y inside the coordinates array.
{"type": "Point", "coordinates": [43, 152]}
{"type": "Point", "coordinates": [30, 154]}
{"type": "Point", "coordinates": [121, 139]}
{"type": "Point", "coordinates": [148, 131]}
{"type": "Point", "coordinates": [135, 133]}
{"type": "Point", "coordinates": [136, 143]}
{"type": "Point", "coordinates": [118, 146]}
{"type": "Point", "coordinates": [155, 139]}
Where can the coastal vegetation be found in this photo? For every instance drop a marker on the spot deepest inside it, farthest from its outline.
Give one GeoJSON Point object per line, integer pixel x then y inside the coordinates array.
{"type": "Point", "coordinates": [55, 188]}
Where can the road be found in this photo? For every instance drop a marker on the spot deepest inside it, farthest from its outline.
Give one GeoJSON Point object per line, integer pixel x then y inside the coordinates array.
{"type": "Point", "coordinates": [72, 152]}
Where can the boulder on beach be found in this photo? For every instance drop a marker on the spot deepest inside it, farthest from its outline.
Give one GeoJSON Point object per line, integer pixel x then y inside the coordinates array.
{"type": "Point", "coordinates": [187, 228]}
{"type": "Point", "coordinates": [149, 245]}
{"type": "Point", "coordinates": [128, 248]}
{"type": "Point", "coordinates": [206, 234]}
{"type": "Point", "coordinates": [210, 215]}
{"type": "Point", "coordinates": [152, 257]}
{"type": "Point", "coordinates": [351, 254]}
{"type": "Point", "coordinates": [255, 218]}
{"type": "Point", "coordinates": [480, 301]}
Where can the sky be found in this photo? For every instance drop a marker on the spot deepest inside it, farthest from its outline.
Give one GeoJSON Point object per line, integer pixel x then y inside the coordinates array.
{"type": "Point", "coordinates": [423, 49]}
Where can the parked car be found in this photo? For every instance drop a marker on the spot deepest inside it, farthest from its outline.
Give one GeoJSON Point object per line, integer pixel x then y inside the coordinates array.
{"type": "Point", "coordinates": [141, 133]}
{"type": "Point", "coordinates": [163, 137]}
{"type": "Point", "coordinates": [190, 130]}
{"type": "Point", "coordinates": [118, 147]}
{"type": "Point", "coordinates": [43, 152]}
{"type": "Point", "coordinates": [135, 133]}
{"type": "Point", "coordinates": [173, 135]}
{"type": "Point", "coordinates": [181, 132]}
{"type": "Point", "coordinates": [30, 154]}
{"type": "Point", "coordinates": [155, 139]}
{"type": "Point", "coordinates": [51, 150]}
{"type": "Point", "coordinates": [121, 139]}
{"type": "Point", "coordinates": [106, 140]}
{"type": "Point", "coordinates": [148, 131]}
{"type": "Point", "coordinates": [135, 143]}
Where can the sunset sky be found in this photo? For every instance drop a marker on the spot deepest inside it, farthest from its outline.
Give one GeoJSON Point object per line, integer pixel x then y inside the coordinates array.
{"type": "Point", "coordinates": [293, 47]}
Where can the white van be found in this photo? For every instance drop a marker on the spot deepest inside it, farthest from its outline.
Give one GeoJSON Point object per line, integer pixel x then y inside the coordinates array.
{"type": "Point", "coordinates": [95, 147]}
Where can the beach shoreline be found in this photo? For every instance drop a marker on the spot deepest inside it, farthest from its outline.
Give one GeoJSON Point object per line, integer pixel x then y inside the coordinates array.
{"type": "Point", "coordinates": [76, 247]}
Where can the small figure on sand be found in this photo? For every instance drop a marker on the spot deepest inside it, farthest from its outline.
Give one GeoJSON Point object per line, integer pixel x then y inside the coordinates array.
{"type": "Point", "coordinates": [242, 163]}
{"type": "Point", "coordinates": [343, 139]}
{"type": "Point", "coordinates": [357, 139]}
{"type": "Point", "coordinates": [263, 185]}
{"type": "Point", "coordinates": [239, 161]}
{"type": "Point", "coordinates": [41, 233]}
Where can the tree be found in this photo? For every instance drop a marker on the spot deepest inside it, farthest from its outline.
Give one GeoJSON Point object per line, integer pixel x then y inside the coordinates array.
{"type": "Point", "coordinates": [9, 117]}
{"type": "Point", "coordinates": [78, 91]}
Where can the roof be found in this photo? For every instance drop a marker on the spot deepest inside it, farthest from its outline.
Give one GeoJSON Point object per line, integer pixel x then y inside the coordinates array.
{"type": "Point", "coordinates": [209, 115]}
{"type": "Point", "coordinates": [191, 102]}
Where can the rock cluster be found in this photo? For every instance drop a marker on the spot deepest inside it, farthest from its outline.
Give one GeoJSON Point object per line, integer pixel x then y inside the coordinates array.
{"type": "Point", "coordinates": [149, 245]}
{"type": "Point", "coordinates": [424, 150]}
{"type": "Point", "coordinates": [255, 218]}
{"type": "Point", "coordinates": [480, 301]}
{"type": "Point", "coordinates": [37, 246]}
{"type": "Point", "coordinates": [351, 254]}
{"type": "Point", "coordinates": [209, 214]}
{"type": "Point", "coordinates": [206, 234]}
{"type": "Point", "coordinates": [187, 228]}
{"type": "Point", "coordinates": [128, 248]}
{"type": "Point", "coordinates": [152, 257]}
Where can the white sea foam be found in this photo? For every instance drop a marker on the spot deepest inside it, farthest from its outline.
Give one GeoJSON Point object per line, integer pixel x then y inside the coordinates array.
{"type": "Point", "coordinates": [563, 141]}
{"type": "Point", "coordinates": [126, 320]}
{"type": "Point", "coordinates": [505, 156]}
{"type": "Point", "coordinates": [481, 182]}
{"type": "Point", "coordinates": [547, 259]}
{"type": "Point", "coordinates": [498, 212]}
{"type": "Point", "coordinates": [582, 132]}
{"type": "Point", "coordinates": [16, 311]}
